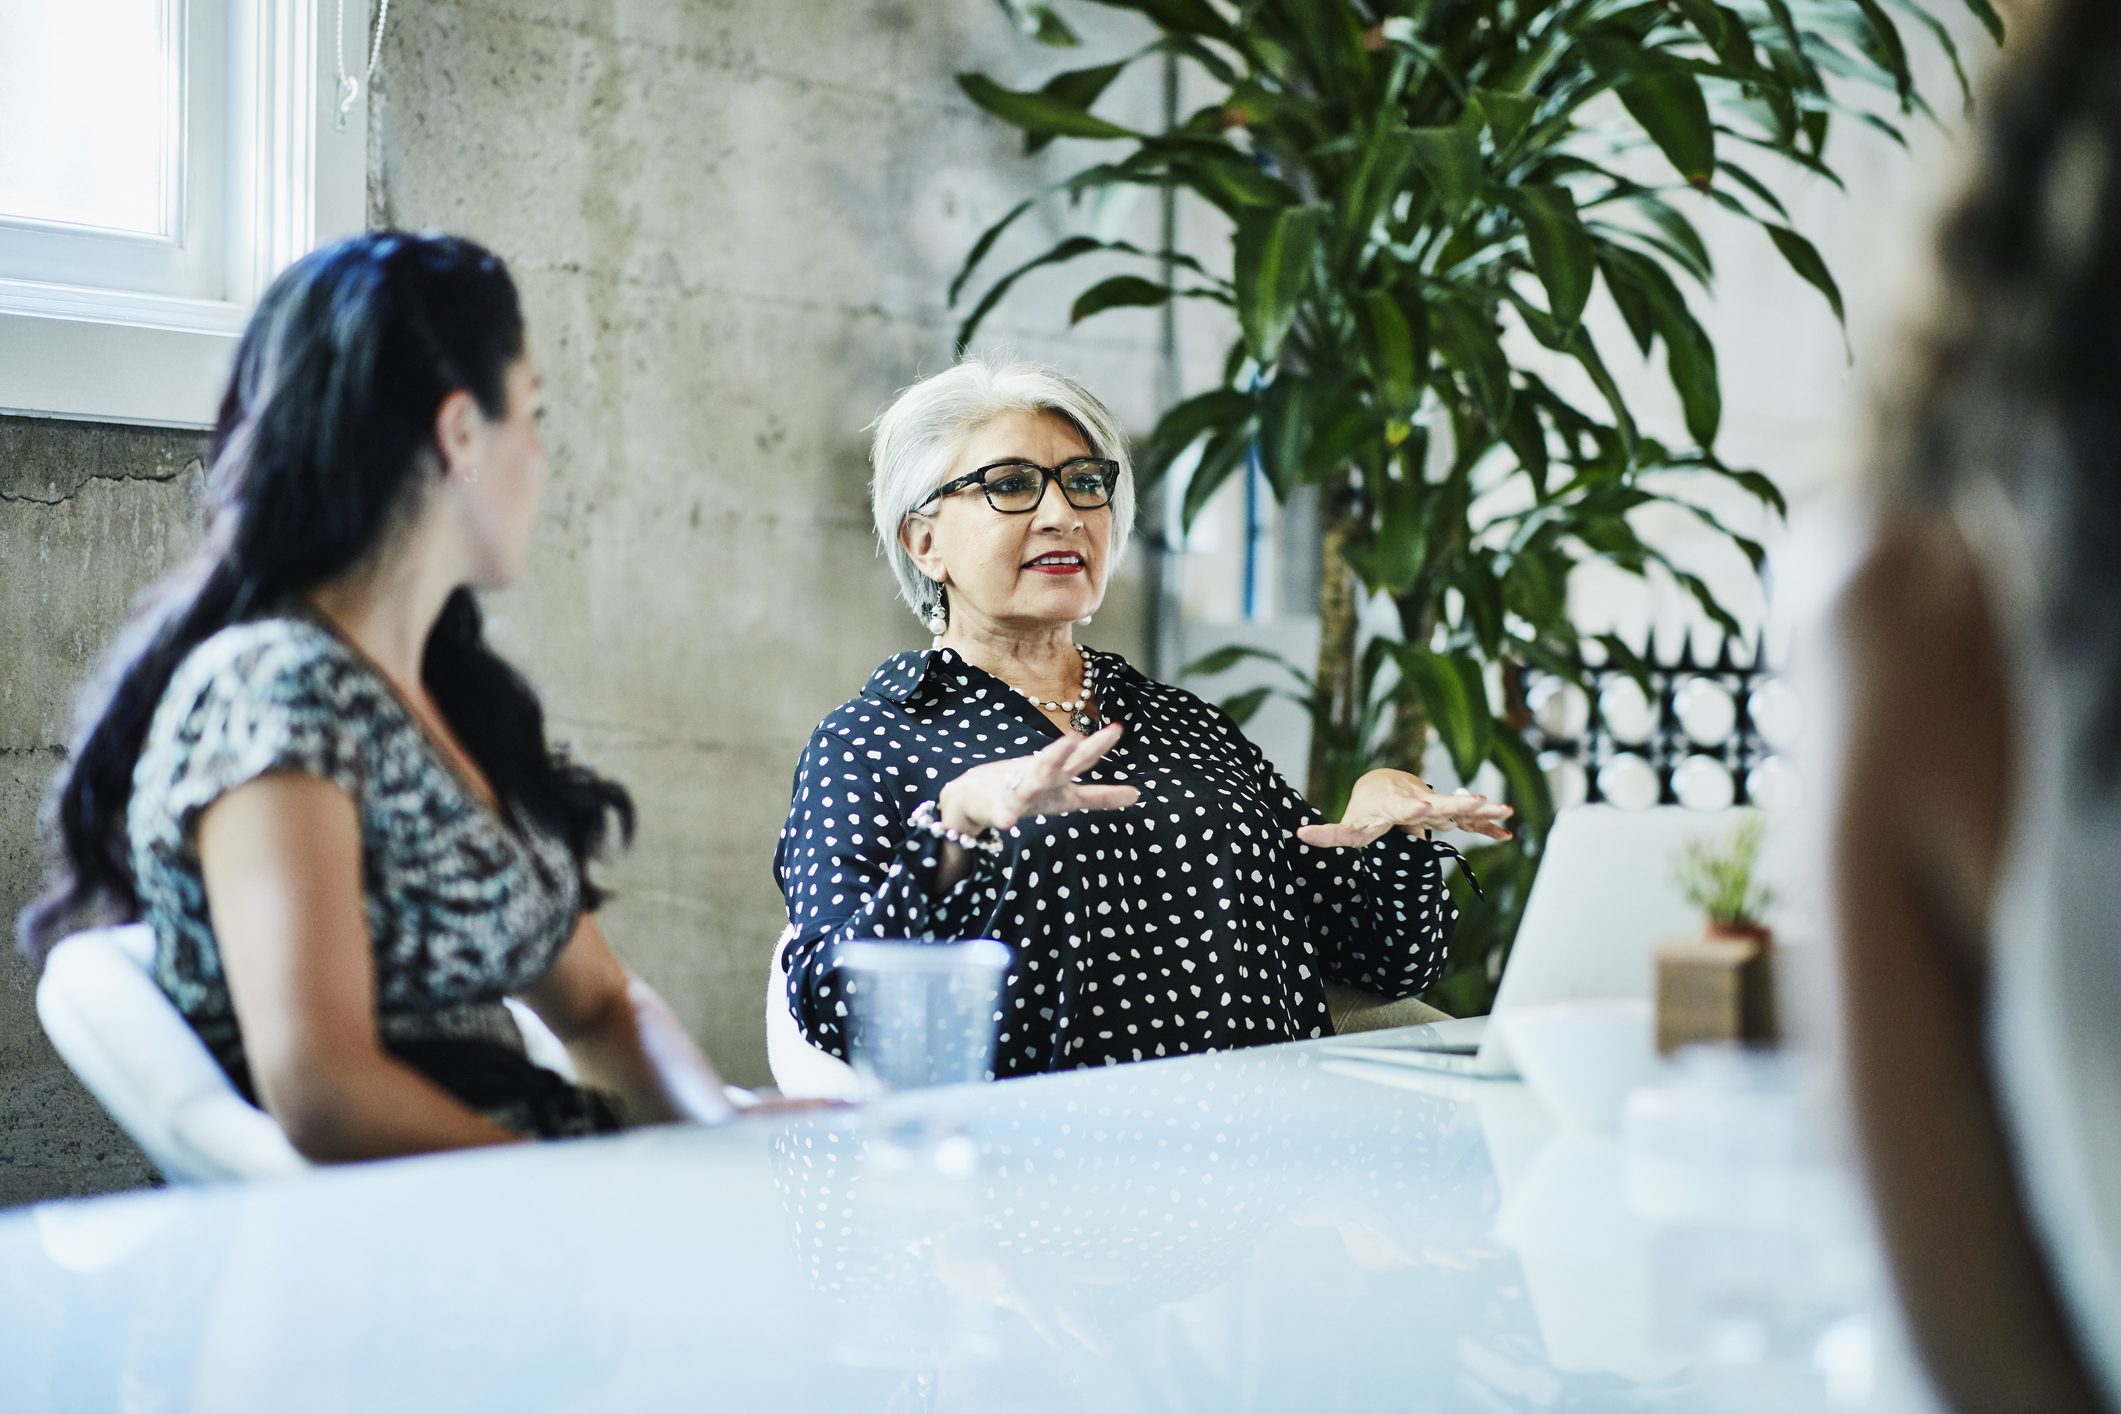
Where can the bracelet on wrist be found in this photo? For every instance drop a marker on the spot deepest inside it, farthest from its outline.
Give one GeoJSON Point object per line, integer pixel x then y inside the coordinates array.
{"type": "Point", "coordinates": [987, 841]}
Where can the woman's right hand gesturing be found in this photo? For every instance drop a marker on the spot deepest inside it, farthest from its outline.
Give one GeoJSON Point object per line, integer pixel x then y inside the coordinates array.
{"type": "Point", "coordinates": [997, 795]}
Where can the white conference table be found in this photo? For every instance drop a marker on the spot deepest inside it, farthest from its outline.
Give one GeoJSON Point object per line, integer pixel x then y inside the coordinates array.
{"type": "Point", "coordinates": [1264, 1230]}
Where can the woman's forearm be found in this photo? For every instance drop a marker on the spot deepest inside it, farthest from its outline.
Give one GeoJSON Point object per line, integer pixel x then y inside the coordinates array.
{"type": "Point", "coordinates": [379, 1108]}
{"type": "Point", "coordinates": [639, 1051]}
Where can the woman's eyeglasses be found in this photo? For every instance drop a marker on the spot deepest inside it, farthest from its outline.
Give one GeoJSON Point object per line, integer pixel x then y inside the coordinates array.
{"type": "Point", "coordinates": [1016, 487]}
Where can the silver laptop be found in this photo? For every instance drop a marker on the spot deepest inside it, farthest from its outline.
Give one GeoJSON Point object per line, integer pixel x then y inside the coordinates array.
{"type": "Point", "coordinates": [1604, 899]}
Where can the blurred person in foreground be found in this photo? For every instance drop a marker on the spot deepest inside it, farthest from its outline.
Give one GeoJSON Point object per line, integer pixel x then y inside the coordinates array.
{"type": "Point", "coordinates": [1977, 837]}
{"type": "Point", "coordinates": [305, 769]}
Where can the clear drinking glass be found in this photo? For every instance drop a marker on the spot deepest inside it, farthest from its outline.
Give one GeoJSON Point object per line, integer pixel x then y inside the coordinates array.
{"type": "Point", "coordinates": [921, 1014]}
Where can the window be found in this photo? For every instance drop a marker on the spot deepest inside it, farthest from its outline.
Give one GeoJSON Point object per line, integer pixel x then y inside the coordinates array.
{"type": "Point", "coordinates": [159, 161]}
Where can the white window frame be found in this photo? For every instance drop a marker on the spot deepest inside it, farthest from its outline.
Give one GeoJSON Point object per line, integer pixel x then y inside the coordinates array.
{"type": "Point", "coordinates": [284, 180]}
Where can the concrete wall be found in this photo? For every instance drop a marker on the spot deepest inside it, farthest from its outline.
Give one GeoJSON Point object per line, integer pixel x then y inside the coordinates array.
{"type": "Point", "coordinates": [88, 515]}
{"type": "Point", "coordinates": [733, 222]}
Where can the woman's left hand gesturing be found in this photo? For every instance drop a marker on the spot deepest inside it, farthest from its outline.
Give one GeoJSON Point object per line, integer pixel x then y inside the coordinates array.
{"type": "Point", "coordinates": [1395, 800]}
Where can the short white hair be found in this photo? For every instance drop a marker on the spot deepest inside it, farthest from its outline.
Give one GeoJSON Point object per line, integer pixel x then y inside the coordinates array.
{"type": "Point", "coordinates": [919, 437]}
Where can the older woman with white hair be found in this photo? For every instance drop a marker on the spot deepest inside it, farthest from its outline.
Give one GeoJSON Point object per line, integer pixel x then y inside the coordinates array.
{"type": "Point", "coordinates": [1163, 891]}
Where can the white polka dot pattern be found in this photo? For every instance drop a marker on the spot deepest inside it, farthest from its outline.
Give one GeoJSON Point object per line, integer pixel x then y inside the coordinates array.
{"type": "Point", "coordinates": [1191, 921]}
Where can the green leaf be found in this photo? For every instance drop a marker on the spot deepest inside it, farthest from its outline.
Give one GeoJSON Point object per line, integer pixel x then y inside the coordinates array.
{"type": "Point", "coordinates": [1753, 184]}
{"type": "Point", "coordinates": [1119, 292]}
{"type": "Point", "coordinates": [1201, 54]}
{"type": "Point", "coordinates": [1131, 171]}
{"type": "Point", "coordinates": [1245, 705]}
{"type": "Point", "coordinates": [1450, 159]}
{"type": "Point", "coordinates": [1467, 340]}
{"type": "Point", "coordinates": [1990, 20]}
{"type": "Point", "coordinates": [1646, 292]}
{"type": "Point", "coordinates": [1379, 176]}
{"type": "Point", "coordinates": [1401, 31]}
{"type": "Point", "coordinates": [1329, 39]}
{"type": "Point", "coordinates": [1577, 344]}
{"type": "Point", "coordinates": [1196, 17]}
{"type": "Point", "coordinates": [1187, 423]}
{"type": "Point", "coordinates": [1915, 10]}
{"type": "Point", "coordinates": [1681, 232]}
{"type": "Point", "coordinates": [1069, 249]}
{"type": "Point", "coordinates": [1341, 433]}
{"type": "Point", "coordinates": [1037, 113]}
{"type": "Point", "coordinates": [1632, 301]}
{"type": "Point", "coordinates": [1078, 88]}
{"type": "Point", "coordinates": [1665, 98]}
{"type": "Point", "coordinates": [1725, 32]}
{"type": "Point", "coordinates": [1506, 114]}
{"type": "Point", "coordinates": [1889, 50]}
{"type": "Point", "coordinates": [1223, 659]}
{"type": "Point", "coordinates": [1284, 432]}
{"type": "Point", "coordinates": [1035, 19]}
{"type": "Point", "coordinates": [1527, 785]}
{"type": "Point", "coordinates": [1754, 552]}
{"type": "Point", "coordinates": [1535, 588]}
{"type": "Point", "coordinates": [1230, 179]}
{"type": "Point", "coordinates": [1273, 259]}
{"type": "Point", "coordinates": [1803, 257]}
{"type": "Point", "coordinates": [1527, 439]}
{"type": "Point", "coordinates": [1452, 690]}
{"type": "Point", "coordinates": [1620, 654]}
{"type": "Point", "coordinates": [1396, 551]}
{"type": "Point", "coordinates": [1561, 249]}
{"type": "Point", "coordinates": [1761, 486]}
{"type": "Point", "coordinates": [1224, 453]}
{"type": "Point", "coordinates": [1390, 352]}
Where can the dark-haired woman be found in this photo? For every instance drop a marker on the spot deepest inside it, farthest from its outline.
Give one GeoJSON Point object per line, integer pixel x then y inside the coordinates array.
{"type": "Point", "coordinates": [309, 773]}
{"type": "Point", "coordinates": [1979, 826]}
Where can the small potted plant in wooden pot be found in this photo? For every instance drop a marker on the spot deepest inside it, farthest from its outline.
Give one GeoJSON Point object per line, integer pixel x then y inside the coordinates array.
{"type": "Point", "coordinates": [1720, 986]}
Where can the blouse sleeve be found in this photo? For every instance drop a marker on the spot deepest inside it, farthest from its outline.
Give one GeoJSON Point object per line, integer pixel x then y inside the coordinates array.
{"type": "Point", "coordinates": [274, 708]}
{"type": "Point", "coordinates": [851, 867]}
{"type": "Point", "coordinates": [1380, 916]}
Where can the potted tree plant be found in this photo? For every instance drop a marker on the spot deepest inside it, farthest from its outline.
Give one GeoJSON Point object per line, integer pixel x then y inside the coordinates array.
{"type": "Point", "coordinates": [1420, 198]}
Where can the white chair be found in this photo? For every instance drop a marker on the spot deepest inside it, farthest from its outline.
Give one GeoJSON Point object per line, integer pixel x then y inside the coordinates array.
{"type": "Point", "coordinates": [800, 1070]}
{"type": "Point", "coordinates": [139, 1057]}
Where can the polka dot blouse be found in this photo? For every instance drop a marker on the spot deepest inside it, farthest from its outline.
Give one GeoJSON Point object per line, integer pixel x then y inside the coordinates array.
{"type": "Point", "coordinates": [1191, 921]}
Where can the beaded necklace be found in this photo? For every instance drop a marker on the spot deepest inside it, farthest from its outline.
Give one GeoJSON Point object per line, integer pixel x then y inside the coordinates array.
{"type": "Point", "coordinates": [1082, 709]}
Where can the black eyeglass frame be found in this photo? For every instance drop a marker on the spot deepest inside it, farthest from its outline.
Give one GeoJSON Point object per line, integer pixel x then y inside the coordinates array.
{"type": "Point", "coordinates": [1048, 476]}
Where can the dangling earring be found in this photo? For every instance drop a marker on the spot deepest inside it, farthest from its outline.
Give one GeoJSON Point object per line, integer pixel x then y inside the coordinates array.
{"type": "Point", "coordinates": [938, 617]}
{"type": "Point", "coordinates": [1084, 620]}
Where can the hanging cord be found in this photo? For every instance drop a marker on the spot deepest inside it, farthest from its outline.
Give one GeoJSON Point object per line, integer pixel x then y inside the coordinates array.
{"type": "Point", "coordinates": [349, 86]}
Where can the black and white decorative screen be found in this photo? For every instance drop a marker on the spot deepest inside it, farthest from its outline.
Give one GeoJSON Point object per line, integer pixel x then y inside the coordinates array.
{"type": "Point", "coordinates": [1707, 734]}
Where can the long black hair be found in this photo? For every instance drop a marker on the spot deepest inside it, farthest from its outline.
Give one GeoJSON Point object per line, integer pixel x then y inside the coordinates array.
{"type": "Point", "coordinates": [2018, 372]}
{"type": "Point", "coordinates": [324, 439]}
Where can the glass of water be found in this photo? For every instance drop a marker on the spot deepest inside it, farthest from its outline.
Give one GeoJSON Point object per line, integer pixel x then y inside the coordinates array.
{"type": "Point", "coordinates": [921, 1014]}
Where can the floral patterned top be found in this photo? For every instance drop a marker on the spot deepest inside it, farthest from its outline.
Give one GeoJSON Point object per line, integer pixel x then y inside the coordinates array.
{"type": "Point", "coordinates": [464, 908]}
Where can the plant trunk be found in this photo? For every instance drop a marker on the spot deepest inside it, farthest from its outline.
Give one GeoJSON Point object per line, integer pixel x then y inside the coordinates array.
{"type": "Point", "coordinates": [1335, 675]}
{"type": "Point", "coordinates": [1409, 746]}
{"type": "Point", "coordinates": [1516, 710]}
